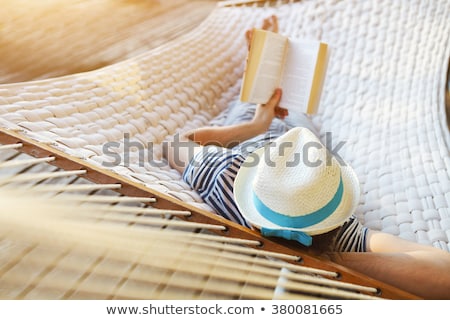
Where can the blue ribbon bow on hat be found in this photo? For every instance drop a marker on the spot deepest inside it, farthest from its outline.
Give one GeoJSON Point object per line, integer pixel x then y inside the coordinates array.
{"type": "Point", "coordinates": [296, 235]}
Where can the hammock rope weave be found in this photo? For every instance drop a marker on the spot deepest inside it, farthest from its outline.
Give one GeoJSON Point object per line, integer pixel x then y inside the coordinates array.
{"type": "Point", "coordinates": [383, 97]}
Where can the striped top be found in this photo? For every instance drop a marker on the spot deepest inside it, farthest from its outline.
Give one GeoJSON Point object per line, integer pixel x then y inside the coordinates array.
{"type": "Point", "coordinates": [211, 174]}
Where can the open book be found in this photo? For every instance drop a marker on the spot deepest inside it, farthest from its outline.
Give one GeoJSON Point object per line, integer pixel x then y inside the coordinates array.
{"type": "Point", "coordinates": [296, 66]}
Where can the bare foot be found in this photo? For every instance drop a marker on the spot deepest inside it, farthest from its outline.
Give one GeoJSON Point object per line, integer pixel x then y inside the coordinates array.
{"type": "Point", "coordinates": [270, 24]}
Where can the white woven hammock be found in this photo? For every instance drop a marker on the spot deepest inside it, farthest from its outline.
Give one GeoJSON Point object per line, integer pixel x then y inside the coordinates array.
{"type": "Point", "coordinates": [383, 96]}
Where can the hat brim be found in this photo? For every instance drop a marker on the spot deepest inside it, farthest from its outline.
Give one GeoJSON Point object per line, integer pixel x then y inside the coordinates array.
{"type": "Point", "coordinates": [243, 198]}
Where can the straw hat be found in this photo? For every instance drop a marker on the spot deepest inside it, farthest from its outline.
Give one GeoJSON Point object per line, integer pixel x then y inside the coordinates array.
{"type": "Point", "coordinates": [294, 188]}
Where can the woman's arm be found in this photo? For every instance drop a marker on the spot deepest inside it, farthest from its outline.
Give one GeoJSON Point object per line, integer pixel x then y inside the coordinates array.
{"type": "Point", "coordinates": [184, 146]}
{"type": "Point", "coordinates": [228, 136]}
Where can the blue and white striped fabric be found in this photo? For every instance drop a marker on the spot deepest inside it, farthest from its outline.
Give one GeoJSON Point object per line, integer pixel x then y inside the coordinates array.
{"type": "Point", "coordinates": [212, 176]}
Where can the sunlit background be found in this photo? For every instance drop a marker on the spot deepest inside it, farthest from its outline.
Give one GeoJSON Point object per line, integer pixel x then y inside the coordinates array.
{"type": "Point", "coordinates": [48, 38]}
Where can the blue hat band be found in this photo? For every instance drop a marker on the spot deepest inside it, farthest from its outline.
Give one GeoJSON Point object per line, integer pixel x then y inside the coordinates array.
{"type": "Point", "coordinates": [301, 221]}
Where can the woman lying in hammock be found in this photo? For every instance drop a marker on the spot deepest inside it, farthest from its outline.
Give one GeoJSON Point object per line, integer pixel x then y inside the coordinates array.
{"type": "Point", "coordinates": [270, 172]}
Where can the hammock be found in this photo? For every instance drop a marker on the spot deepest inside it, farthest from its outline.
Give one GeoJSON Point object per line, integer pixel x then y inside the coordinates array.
{"type": "Point", "coordinates": [383, 96]}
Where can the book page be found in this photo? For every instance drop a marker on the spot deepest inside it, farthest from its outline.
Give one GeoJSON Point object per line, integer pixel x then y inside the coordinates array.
{"type": "Point", "coordinates": [267, 77]}
{"type": "Point", "coordinates": [299, 75]}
